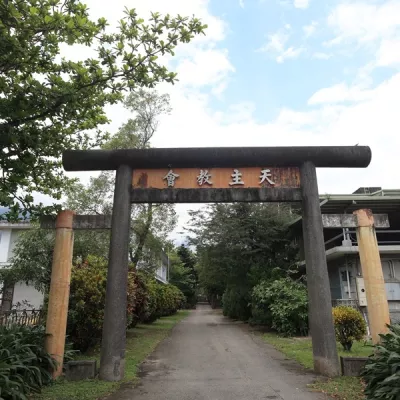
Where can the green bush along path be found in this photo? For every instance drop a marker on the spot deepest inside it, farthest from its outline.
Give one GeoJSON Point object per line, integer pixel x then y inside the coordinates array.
{"type": "Point", "coordinates": [141, 341]}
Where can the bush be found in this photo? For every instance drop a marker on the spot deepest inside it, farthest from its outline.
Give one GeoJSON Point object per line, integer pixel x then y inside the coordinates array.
{"type": "Point", "coordinates": [174, 300]}
{"type": "Point", "coordinates": [169, 300]}
{"type": "Point", "coordinates": [281, 305]}
{"type": "Point", "coordinates": [235, 303]}
{"type": "Point", "coordinates": [147, 300]}
{"type": "Point", "coordinates": [87, 299]}
{"type": "Point", "coordinates": [163, 300]}
{"type": "Point", "coordinates": [86, 303]}
{"type": "Point", "coordinates": [140, 308]}
{"type": "Point", "coordinates": [24, 364]}
{"type": "Point", "coordinates": [382, 371]}
{"type": "Point", "coordinates": [349, 326]}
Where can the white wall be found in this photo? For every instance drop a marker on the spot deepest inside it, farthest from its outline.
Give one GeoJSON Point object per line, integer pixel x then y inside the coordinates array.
{"type": "Point", "coordinates": [5, 236]}
{"type": "Point", "coordinates": [29, 293]}
{"type": "Point", "coordinates": [161, 273]}
{"type": "Point", "coordinates": [8, 239]}
{"type": "Point", "coordinates": [13, 241]}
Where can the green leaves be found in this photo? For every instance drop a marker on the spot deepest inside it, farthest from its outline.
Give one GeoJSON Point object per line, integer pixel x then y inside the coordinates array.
{"type": "Point", "coordinates": [239, 245]}
{"type": "Point", "coordinates": [33, 255]}
{"type": "Point", "coordinates": [382, 371]}
{"type": "Point", "coordinates": [163, 299]}
{"type": "Point", "coordinates": [349, 326]}
{"type": "Point", "coordinates": [281, 305]}
{"type": "Point", "coordinates": [87, 298]}
{"type": "Point", "coordinates": [183, 273]}
{"type": "Point", "coordinates": [48, 105]}
{"type": "Point", "coordinates": [24, 364]}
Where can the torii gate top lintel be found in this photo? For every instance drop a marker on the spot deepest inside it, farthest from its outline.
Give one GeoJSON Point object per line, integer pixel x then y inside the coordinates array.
{"type": "Point", "coordinates": [218, 157]}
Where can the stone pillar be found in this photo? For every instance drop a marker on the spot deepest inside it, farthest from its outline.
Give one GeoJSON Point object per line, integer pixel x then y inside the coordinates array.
{"type": "Point", "coordinates": [326, 361]}
{"type": "Point", "coordinates": [56, 324]}
{"type": "Point", "coordinates": [377, 304]}
{"type": "Point", "coordinates": [112, 363]}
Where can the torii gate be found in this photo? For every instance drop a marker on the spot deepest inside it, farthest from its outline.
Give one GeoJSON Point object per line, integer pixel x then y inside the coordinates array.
{"type": "Point", "coordinates": [144, 176]}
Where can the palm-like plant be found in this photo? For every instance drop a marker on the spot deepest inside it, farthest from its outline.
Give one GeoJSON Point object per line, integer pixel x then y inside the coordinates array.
{"type": "Point", "coordinates": [382, 371]}
{"type": "Point", "coordinates": [25, 366]}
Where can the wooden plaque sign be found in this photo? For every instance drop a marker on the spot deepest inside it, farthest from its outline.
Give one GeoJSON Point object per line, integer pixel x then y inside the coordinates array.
{"type": "Point", "coordinates": [216, 178]}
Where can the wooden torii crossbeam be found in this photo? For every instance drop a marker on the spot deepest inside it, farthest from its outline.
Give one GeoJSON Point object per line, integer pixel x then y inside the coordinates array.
{"type": "Point", "coordinates": [80, 222]}
{"type": "Point", "coordinates": [99, 221]}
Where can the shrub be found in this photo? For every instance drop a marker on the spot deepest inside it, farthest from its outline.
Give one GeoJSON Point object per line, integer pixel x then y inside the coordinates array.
{"type": "Point", "coordinates": [87, 299]}
{"type": "Point", "coordinates": [349, 326]}
{"type": "Point", "coordinates": [147, 300]}
{"type": "Point", "coordinates": [235, 303]}
{"type": "Point", "coordinates": [169, 300]}
{"type": "Point", "coordinates": [281, 305]}
{"type": "Point", "coordinates": [163, 300]}
{"type": "Point", "coordinates": [24, 364]}
{"type": "Point", "coordinates": [140, 308]}
{"type": "Point", "coordinates": [86, 303]}
{"type": "Point", "coordinates": [382, 371]}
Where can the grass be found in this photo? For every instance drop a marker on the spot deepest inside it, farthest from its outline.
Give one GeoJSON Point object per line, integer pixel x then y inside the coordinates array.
{"type": "Point", "coordinates": [140, 342]}
{"type": "Point", "coordinates": [342, 388]}
{"type": "Point", "coordinates": [300, 349]}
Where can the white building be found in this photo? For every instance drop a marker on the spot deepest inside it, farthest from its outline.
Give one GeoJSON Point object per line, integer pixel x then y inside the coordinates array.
{"type": "Point", "coordinates": [161, 273]}
{"type": "Point", "coordinates": [20, 292]}
{"type": "Point", "coordinates": [341, 248]}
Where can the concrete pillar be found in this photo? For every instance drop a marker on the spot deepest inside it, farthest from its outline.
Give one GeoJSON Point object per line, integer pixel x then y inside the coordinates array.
{"type": "Point", "coordinates": [326, 361]}
{"type": "Point", "coordinates": [377, 304]}
{"type": "Point", "coordinates": [112, 362]}
{"type": "Point", "coordinates": [56, 324]}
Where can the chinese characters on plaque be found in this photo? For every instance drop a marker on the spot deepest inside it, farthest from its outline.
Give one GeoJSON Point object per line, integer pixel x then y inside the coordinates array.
{"type": "Point", "coordinates": [205, 177]}
{"type": "Point", "coordinates": [170, 177]}
{"type": "Point", "coordinates": [216, 178]}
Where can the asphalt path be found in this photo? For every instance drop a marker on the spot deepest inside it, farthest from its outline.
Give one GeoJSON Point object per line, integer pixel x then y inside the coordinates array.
{"type": "Point", "coordinates": [209, 357]}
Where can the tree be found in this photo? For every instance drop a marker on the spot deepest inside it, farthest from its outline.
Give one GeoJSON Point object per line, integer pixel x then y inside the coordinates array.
{"type": "Point", "coordinates": [147, 106]}
{"type": "Point", "coordinates": [150, 223]}
{"type": "Point", "coordinates": [189, 260]}
{"type": "Point", "coordinates": [33, 255]}
{"type": "Point", "coordinates": [50, 104]}
{"type": "Point", "coordinates": [183, 274]}
{"type": "Point", "coordinates": [239, 245]}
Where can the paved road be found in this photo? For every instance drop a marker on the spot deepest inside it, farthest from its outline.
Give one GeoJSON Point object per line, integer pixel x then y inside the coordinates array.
{"type": "Point", "coordinates": [208, 357]}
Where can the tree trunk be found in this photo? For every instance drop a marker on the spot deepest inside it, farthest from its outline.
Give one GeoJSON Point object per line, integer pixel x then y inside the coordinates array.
{"type": "Point", "coordinates": [135, 257]}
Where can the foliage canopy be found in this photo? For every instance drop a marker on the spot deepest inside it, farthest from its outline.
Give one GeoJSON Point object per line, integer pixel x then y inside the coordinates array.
{"type": "Point", "coordinates": [238, 246]}
{"type": "Point", "coordinates": [281, 305]}
{"type": "Point", "coordinates": [382, 371]}
{"type": "Point", "coordinates": [50, 103]}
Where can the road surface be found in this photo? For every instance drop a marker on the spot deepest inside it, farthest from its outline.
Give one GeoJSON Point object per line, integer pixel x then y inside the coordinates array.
{"type": "Point", "coordinates": [209, 357]}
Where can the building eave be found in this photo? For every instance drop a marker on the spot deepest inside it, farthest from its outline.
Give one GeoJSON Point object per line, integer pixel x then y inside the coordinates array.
{"type": "Point", "coordinates": [16, 225]}
{"type": "Point", "coordinates": [341, 251]}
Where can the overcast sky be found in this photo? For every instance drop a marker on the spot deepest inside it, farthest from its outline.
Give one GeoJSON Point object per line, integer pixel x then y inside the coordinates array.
{"type": "Point", "coordinates": [290, 72]}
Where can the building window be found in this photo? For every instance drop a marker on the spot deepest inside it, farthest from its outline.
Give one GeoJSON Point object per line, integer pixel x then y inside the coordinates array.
{"type": "Point", "coordinates": [388, 268]}
{"type": "Point", "coordinates": [345, 281]}
{"type": "Point", "coordinates": [392, 269]}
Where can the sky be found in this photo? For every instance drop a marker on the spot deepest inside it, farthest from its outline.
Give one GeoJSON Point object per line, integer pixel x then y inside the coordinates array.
{"type": "Point", "coordinates": [282, 73]}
